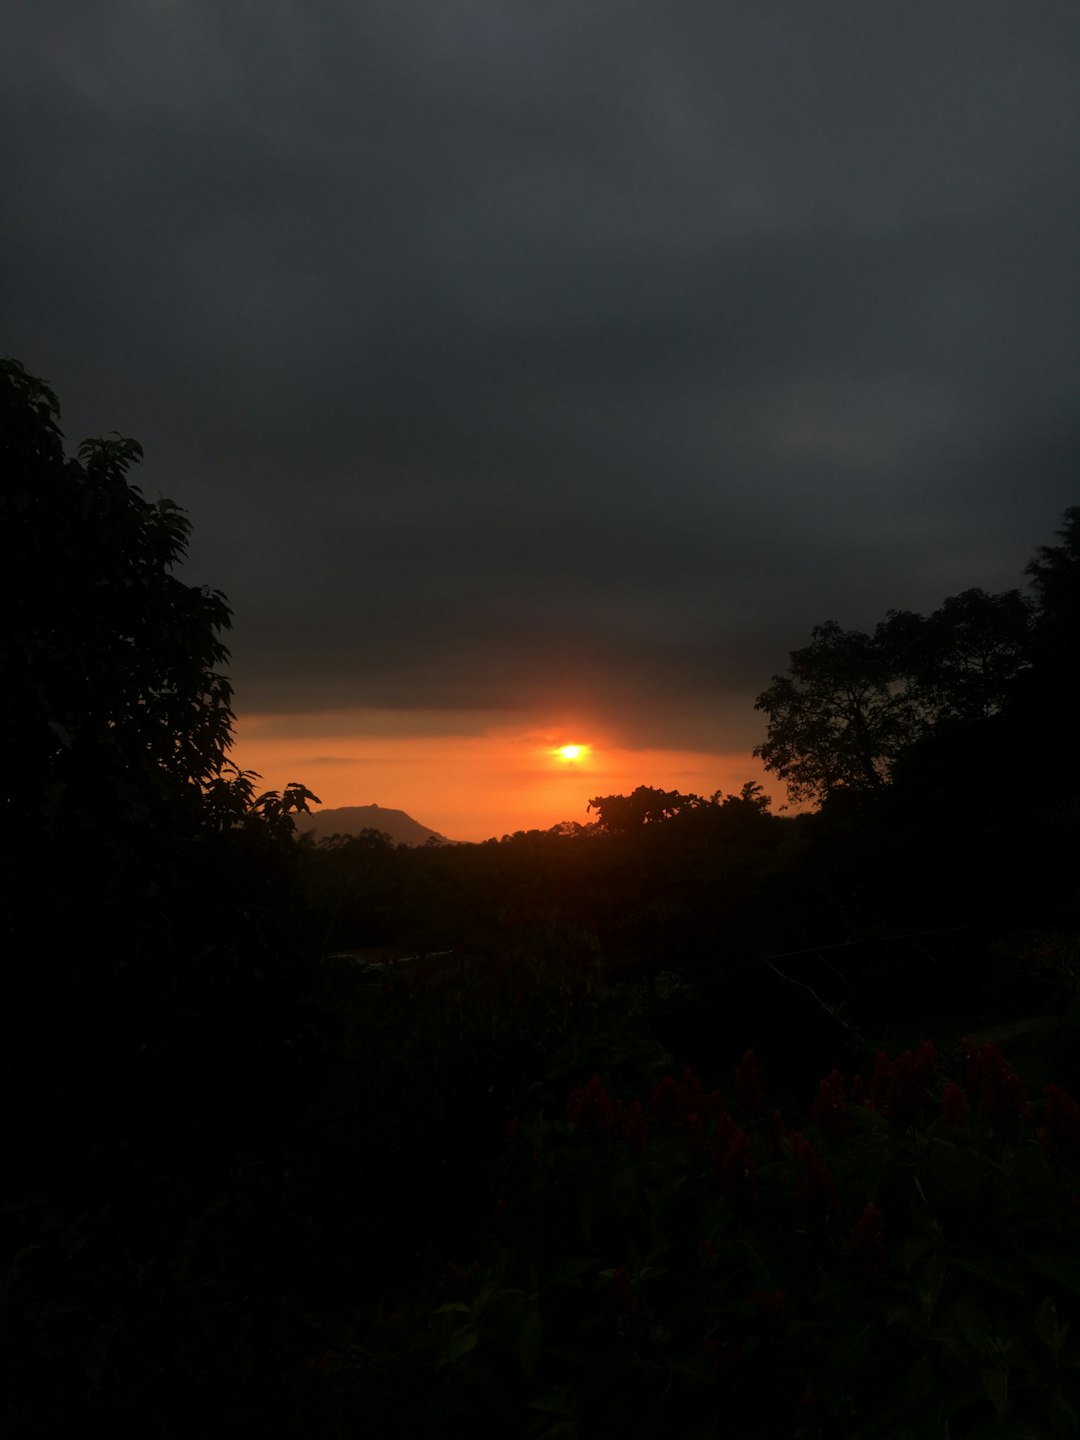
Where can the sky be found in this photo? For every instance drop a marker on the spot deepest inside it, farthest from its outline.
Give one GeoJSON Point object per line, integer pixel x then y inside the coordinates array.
{"type": "Point", "coordinates": [540, 374]}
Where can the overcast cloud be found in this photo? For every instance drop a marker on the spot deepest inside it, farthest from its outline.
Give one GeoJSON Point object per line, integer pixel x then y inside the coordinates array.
{"type": "Point", "coordinates": [577, 354]}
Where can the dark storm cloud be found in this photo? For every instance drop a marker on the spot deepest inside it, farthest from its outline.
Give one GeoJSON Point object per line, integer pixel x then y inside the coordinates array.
{"type": "Point", "coordinates": [583, 355]}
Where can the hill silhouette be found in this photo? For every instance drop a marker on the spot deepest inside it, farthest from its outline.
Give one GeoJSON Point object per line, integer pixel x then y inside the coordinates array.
{"type": "Point", "coordinates": [352, 819]}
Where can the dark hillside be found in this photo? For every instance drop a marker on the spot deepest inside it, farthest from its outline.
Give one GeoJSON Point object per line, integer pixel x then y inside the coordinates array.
{"type": "Point", "coordinates": [355, 819]}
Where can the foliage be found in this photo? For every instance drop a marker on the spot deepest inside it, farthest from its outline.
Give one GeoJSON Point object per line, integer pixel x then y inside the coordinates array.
{"type": "Point", "coordinates": [962, 662]}
{"type": "Point", "coordinates": [854, 703]}
{"type": "Point", "coordinates": [644, 806]}
{"type": "Point", "coordinates": [686, 1263]}
{"type": "Point", "coordinates": [230, 801]}
{"type": "Point", "coordinates": [626, 814]}
{"type": "Point", "coordinates": [115, 662]}
{"type": "Point", "coordinates": [1055, 574]}
{"type": "Point", "coordinates": [1052, 696]}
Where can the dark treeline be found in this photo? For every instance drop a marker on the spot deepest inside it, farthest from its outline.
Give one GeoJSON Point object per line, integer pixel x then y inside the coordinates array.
{"type": "Point", "coordinates": [258, 1083]}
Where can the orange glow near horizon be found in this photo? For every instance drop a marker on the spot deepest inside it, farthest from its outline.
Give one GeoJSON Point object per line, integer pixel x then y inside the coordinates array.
{"type": "Point", "coordinates": [490, 781]}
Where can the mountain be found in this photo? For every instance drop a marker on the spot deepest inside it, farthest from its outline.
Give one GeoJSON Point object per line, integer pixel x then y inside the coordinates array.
{"type": "Point", "coordinates": [351, 819]}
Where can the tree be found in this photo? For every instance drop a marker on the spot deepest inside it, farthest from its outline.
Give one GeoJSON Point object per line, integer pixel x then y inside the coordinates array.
{"type": "Point", "coordinates": [111, 662]}
{"type": "Point", "coordinates": [1055, 579]}
{"type": "Point", "coordinates": [644, 806]}
{"type": "Point", "coordinates": [960, 663]}
{"type": "Point", "coordinates": [115, 702]}
{"type": "Point", "coordinates": [1055, 574]}
{"type": "Point", "coordinates": [1048, 712]}
{"type": "Point", "coordinates": [839, 719]}
{"type": "Point", "coordinates": [854, 703]}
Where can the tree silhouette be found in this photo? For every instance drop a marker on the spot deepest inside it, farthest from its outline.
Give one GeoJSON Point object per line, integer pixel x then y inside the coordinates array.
{"type": "Point", "coordinates": [1055, 579]}
{"type": "Point", "coordinates": [960, 663]}
{"type": "Point", "coordinates": [644, 806]}
{"type": "Point", "coordinates": [854, 703]}
{"type": "Point", "coordinates": [116, 706]}
{"type": "Point", "coordinates": [838, 720]}
{"type": "Point", "coordinates": [114, 695]}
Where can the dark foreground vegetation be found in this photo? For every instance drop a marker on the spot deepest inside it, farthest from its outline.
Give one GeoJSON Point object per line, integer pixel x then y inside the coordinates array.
{"type": "Point", "coordinates": [700, 1121]}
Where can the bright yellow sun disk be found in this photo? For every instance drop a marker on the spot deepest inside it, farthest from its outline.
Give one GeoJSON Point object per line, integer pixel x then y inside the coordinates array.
{"type": "Point", "coordinates": [571, 752]}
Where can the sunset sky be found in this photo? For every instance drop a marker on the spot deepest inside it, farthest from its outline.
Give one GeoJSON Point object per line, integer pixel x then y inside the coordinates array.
{"type": "Point", "coordinates": [539, 374]}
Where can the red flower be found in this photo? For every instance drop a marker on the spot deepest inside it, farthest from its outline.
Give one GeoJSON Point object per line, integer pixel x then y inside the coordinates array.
{"type": "Point", "coordinates": [590, 1110]}
{"type": "Point", "coordinates": [690, 1093]}
{"type": "Point", "coordinates": [695, 1136]}
{"type": "Point", "coordinates": [667, 1104]}
{"type": "Point", "coordinates": [712, 1103]}
{"type": "Point", "coordinates": [1059, 1136]}
{"type": "Point", "coordinates": [769, 1306]}
{"type": "Point", "coordinates": [830, 1112]}
{"type": "Point", "coordinates": [898, 1086]}
{"type": "Point", "coordinates": [748, 1085]}
{"type": "Point", "coordinates": [868, 1244]}
{"type": "Point", "coordinates": [778, 1129]}
{"type": "Point", "coordinates": [1002, 1094]}
{"type": "Point", "coordinates": [737, 1166]}
{"type": "Point", "coordinates": [632, 1124]}
{"type": "Point", "coordinates": [815, 1189]}
{"type": "Point", "coordinates": [953, 1103]}
{"type": "Point", "coordinates": [513, 1135]}
{"type": "Point", "coordinates": [674, 1103]}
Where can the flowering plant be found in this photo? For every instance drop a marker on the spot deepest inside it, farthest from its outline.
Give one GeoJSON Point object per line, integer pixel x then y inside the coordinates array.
{"type": "Point", "coordinates": [903, 1265]}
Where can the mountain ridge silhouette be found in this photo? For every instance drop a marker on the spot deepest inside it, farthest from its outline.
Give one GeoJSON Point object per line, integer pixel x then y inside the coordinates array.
{"type": "Point", "coordinates": [352, 819]}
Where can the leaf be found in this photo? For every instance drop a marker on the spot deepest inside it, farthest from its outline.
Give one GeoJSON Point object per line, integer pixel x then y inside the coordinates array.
{"type": "Point", "coordinates": [568, 1270]}
{"type": "Point", "coordinates": [995, 1384]}
{"type": "Point", "coordinates": [461, 1344]}
{"type": "Point", "coordinates": [996, 1272]}
{"type": "Point", "coordinates": [1065, 1269]}
{"type": "Point", "coordinates": [915, 1247]}
{"type": "Point", "coordinates": [973, 1325]}
{"type": "Point", "coordinates": [530, 1341]}
{"type": "Point", "coordinates": [774, 1169]}
{"type": "Point", "coordinates": [558, 1402]}
{"type": "Point", "coordinates": [1062, 1415]}
{"type": "Point", "coordinates": [661, 1249]}
{"type": "Point", "coordinates": [866, 1116]}
{"type": "Point", "coordinates": [1047, 1329]}
{"type": "Point", "coordinates": [650, 1273]}
{"type": "Point", "coordinates": [930, 1283]}
{"type": "Point", "coordinates": [920, 1381]}
{"type": "Point", "coordinates": [696, 1370]}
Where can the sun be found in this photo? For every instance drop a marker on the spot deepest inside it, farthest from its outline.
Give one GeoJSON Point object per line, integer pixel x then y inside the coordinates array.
{"type": "Point", "coordinates": [570, 752]}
